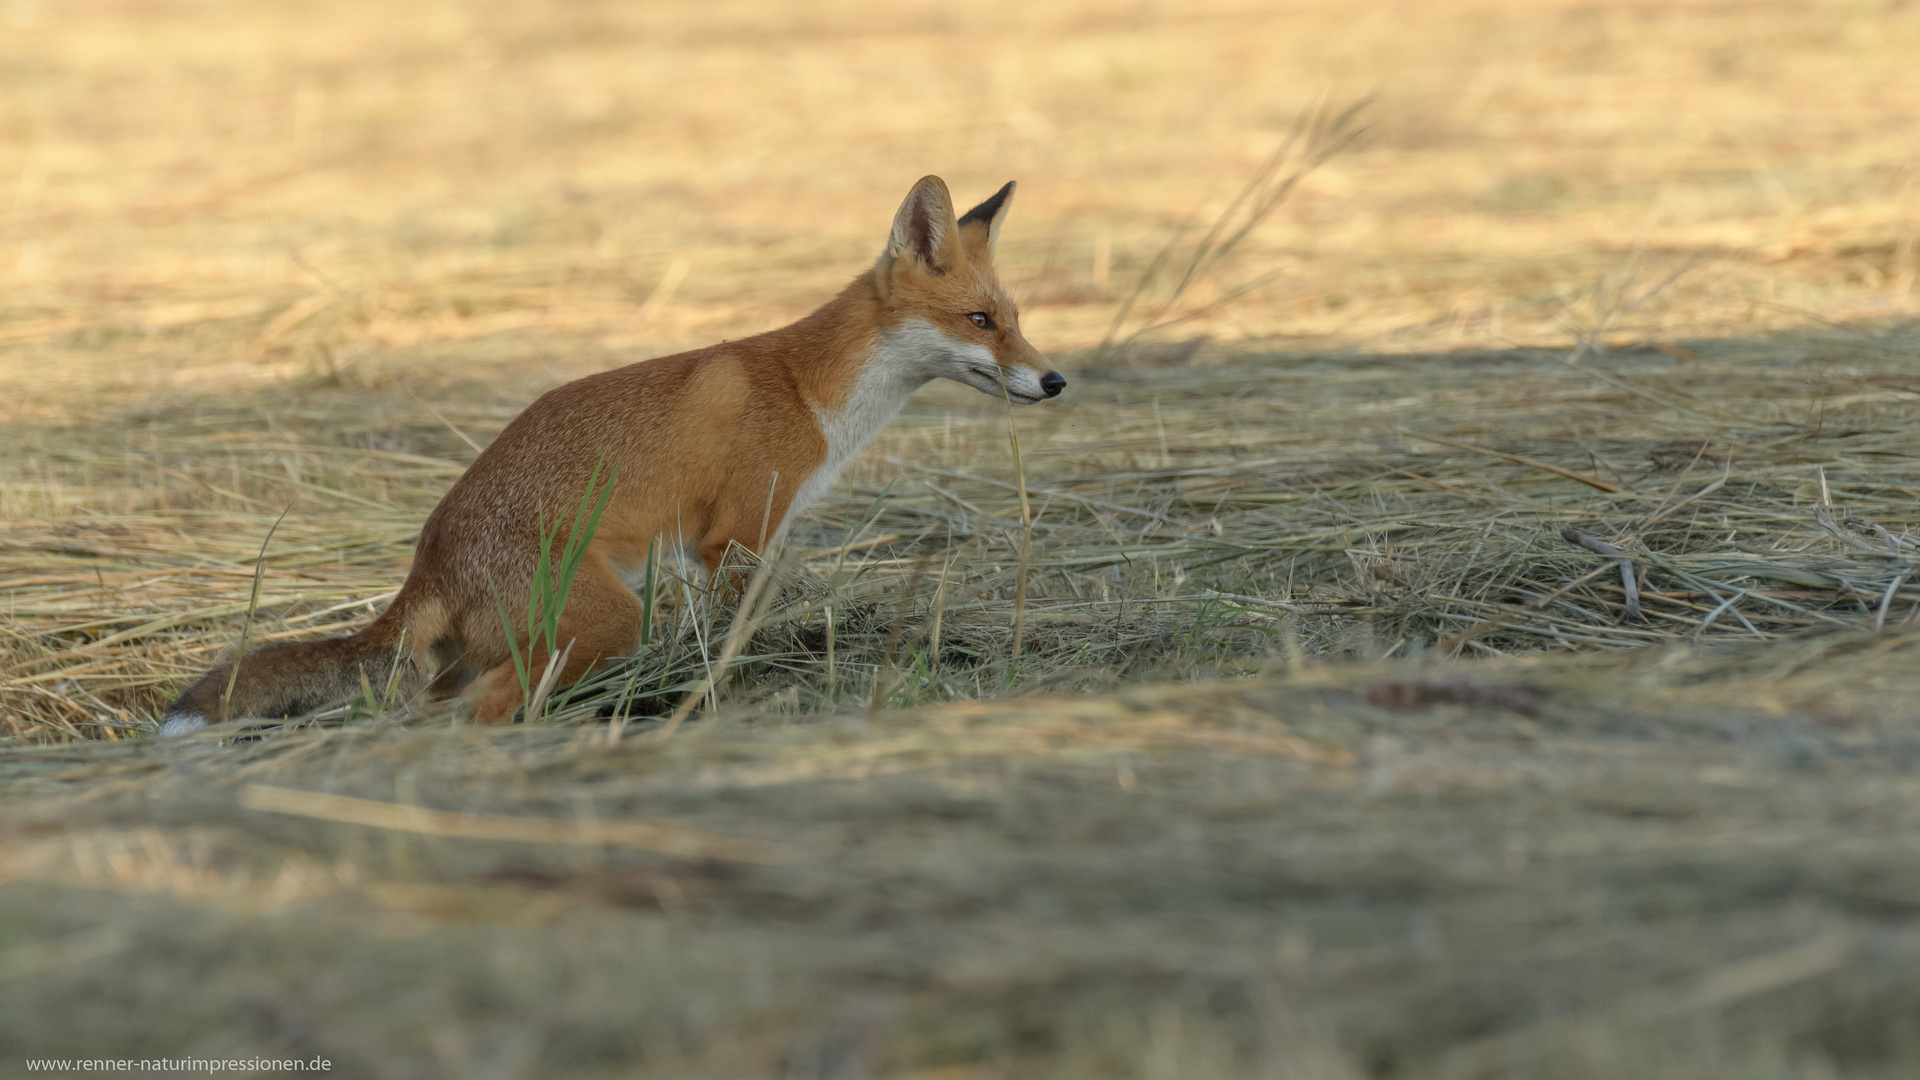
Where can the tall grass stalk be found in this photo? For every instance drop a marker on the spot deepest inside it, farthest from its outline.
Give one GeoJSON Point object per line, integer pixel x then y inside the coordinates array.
{"type": "Point", "coordinates": [766, 512]}
{"type": "Point", "coordinates": [888, 676]}
{"type": "Point", "coordinates": [746, 619]}
{"type": "Point", "coordinates": [833, 693]}
{"type": "Point", "coordinates": [542, 690]}
{"type": "Point", "coordinates": [253, 604]}
{"type": "Point", "coordinates": [848, 538]}
{"type": "Point", "coordinates": [647, 597]}
{"type": "Point", "coordinates": [1026, 536]}
{"type": "Point", "coordinates": [1317, 136]}
{"type": "Point", "coordinates": [552, 582]}
{"type": "Point", "coordinates": [939, 612]}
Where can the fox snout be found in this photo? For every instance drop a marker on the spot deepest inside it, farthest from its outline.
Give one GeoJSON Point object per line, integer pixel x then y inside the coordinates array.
{"type": "Point", "coordinates": [1023, 383]}
{"type": "Point", "coordinates": [1030, 385]}
{"type": "Point", "coordinates": [1026, 372]}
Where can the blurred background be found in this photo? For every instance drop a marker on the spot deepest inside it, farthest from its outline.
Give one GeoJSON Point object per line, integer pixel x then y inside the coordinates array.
{"type": "Point", "coordinates": [255, 190]}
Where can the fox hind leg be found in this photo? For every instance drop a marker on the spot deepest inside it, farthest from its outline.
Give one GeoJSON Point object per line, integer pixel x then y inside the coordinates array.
{"type": "Point", "coordinates": [601, 623]}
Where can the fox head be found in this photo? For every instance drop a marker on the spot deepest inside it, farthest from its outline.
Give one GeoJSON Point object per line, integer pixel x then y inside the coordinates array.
{"type": "Point", "coordinates": [943, 305]}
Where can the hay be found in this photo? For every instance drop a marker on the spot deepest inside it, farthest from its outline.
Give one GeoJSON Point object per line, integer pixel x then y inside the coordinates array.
{"type": "Point", "coordinates": [1667, 868]}
{"type": "Point", "coordinates": [1288, 501]}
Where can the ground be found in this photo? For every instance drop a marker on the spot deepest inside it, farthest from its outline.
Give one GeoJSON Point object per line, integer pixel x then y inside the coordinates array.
{"type": "Point", "coordinates": [1302, 726]}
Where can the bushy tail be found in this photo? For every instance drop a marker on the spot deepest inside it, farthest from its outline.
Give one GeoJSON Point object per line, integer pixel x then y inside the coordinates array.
{"type": "Point", "coordinates": [298, 677]}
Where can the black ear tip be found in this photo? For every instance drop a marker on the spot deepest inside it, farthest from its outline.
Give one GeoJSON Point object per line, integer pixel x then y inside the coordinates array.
{"type": "Point", "coordinates": [985, 211]}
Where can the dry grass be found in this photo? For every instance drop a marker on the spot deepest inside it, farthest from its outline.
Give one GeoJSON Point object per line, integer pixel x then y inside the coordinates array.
{"type": "Point", "coordinates": [1639, 277]}
{"type": "Point", "coordinates": [1255, 504]}
{"type": "Point", "coordinates": [1648, 870]}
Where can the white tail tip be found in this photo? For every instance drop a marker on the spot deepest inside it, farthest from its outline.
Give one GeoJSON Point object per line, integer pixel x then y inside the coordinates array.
{"type": "Point", "coordinates": [177, 724]}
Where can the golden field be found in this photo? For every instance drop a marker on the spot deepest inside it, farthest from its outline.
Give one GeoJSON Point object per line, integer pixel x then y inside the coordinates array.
{"type": "Point", "coordinates": [1325, 754]}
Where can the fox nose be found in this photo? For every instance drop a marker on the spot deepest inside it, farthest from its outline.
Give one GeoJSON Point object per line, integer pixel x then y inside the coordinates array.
{"type": "Point", "coordinates": [1052, 383]}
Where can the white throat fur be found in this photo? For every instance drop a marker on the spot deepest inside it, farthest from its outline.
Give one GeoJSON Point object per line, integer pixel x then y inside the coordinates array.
{"type": "Point", "coordinates": [904, 358]}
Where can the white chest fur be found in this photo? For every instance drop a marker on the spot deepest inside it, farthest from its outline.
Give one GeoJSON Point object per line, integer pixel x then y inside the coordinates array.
{"type": "Point", "coordinates": [903, 360]}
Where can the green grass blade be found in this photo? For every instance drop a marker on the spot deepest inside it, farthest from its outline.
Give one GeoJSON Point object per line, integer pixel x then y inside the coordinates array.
{"type": "Point", "coordinates": [513, 646]}
{"type": "Point", "coordinates": [647, 597]}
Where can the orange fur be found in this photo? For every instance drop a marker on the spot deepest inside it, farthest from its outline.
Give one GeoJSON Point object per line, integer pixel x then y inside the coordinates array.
{"type": "Point", "coordinates": [698, 438]}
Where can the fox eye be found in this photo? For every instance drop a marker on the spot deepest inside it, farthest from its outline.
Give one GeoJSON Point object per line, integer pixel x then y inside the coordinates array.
{"type": "Point", "coordinates": [979, 319]}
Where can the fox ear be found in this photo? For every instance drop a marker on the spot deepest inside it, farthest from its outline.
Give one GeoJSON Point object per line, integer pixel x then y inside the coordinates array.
{"type": "Point", "coordinates": [989, 215]}
{"type": "Point", "coordinates": [924, 230]}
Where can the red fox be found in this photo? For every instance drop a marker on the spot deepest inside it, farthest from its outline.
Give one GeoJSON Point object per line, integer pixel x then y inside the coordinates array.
{"type": "Point", "coordinates": [719, 446]}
